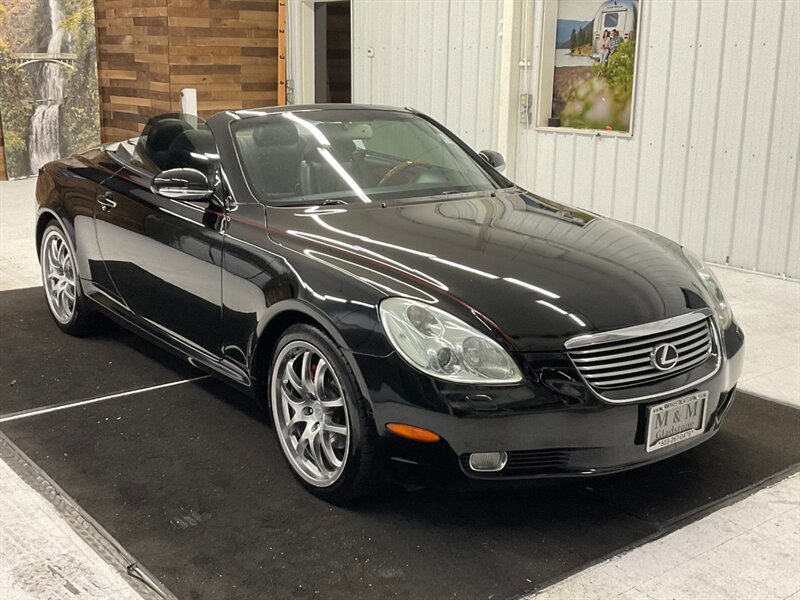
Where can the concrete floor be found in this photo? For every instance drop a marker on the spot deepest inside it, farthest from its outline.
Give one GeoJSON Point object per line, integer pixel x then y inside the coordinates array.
{"type": "Point", "coordinates": [41, 556]}
{"type": "Point", "coordinates": [748, 550]}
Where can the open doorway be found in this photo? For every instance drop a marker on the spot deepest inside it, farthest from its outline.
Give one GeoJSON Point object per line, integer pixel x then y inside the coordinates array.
{"type": "Point", "coordinates": [332, 49]}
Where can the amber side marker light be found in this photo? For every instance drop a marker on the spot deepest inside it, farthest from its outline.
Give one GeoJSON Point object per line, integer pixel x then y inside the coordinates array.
{"type": "Point", "coordinates": [412, 433]}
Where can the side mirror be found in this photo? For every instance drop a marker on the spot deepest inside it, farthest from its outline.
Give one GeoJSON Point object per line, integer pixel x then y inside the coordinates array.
{"type": "Point", "coordinates": [495, 160]}
{"type": "Point", "coordinates": [182, 184]}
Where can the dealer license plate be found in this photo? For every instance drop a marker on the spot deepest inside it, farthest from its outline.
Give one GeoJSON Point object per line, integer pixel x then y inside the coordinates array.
{"type": "Point", "coordinates": [675, 420]}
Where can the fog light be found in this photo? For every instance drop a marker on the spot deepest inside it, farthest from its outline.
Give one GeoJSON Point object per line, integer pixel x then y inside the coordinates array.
{"type": "Point", "coordinates": [487, 461]}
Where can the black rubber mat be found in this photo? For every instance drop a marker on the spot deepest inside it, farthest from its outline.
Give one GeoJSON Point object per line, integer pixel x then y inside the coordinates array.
{"type": "Point", "coordinates": [191, 482]}
{"type": "Point", "coordinates": [40, 365]}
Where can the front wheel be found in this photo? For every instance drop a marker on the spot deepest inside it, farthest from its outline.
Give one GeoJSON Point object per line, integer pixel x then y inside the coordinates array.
{"type": "Point", "coordinates": [321, 422]}
{"type": "Point", "coordinates": [62, 286]}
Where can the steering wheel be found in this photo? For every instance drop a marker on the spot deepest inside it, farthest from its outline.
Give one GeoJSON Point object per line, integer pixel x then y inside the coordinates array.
{"type": "Point", "coordinates": [399, 168]}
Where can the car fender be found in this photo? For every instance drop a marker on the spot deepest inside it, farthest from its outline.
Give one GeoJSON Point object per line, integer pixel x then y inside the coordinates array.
{"type": "Point", "coordinates": [44, 215]}
{"type": "Point", "coordinates": [315, 315]}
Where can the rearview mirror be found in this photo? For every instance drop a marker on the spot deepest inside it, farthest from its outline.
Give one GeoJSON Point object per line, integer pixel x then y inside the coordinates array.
{"type": "Point", "coordinates": [495, 160]}
{"type": "Point", "coordinates": [182, 184]}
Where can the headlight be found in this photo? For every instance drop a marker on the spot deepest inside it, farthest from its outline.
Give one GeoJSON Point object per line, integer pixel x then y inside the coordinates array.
{"type": "Point", "coordinates": [439, 344]}
{"type": "Point", "coordinates": [722, 310]}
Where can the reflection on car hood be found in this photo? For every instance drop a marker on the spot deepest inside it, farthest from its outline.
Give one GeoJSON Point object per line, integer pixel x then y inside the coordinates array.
{"type": "Point", "coordinates": [533, 271]}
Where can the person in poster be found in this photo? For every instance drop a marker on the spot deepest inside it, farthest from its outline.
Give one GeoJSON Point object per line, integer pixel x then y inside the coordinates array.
{"type": "Point", "coordinates": [615, 41]}
{"type": "Point", "coordinates": [605, 47]}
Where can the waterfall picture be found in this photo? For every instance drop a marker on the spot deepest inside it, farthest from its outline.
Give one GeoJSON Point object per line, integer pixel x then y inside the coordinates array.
{"type": "Point", "coordinates": [49, 105]}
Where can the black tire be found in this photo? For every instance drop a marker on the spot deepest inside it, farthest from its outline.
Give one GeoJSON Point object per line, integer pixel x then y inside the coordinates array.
{"type": "Point", "coordinates": [80, 319]}
{"type": "Point", "coordinates": [360, 475]}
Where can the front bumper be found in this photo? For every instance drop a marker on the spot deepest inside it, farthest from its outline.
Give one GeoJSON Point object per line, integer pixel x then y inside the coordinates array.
{"type": "Point", "coordinates": [548, 429]}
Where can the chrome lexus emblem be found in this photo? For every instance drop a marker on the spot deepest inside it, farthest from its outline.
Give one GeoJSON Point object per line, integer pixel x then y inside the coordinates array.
{"type": "Point", "coordinates": [664, 357]}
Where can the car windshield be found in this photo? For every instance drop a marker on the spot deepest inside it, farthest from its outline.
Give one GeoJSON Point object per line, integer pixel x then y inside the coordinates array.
{"type": "Point", "coordinates": [351, 155]}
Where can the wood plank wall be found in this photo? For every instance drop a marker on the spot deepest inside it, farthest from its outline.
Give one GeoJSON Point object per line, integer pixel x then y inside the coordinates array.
{"type": "Point", "coordinates": [148, 50]}
{"type": "Point", "coordinates": [132, 64]}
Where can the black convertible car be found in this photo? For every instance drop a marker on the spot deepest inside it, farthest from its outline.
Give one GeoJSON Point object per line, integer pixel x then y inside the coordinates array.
{"type": "Point", "coordinates": [397, 304]}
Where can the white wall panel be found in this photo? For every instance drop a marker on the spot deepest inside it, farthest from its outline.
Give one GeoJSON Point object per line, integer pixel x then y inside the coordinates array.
{"type": "Point", "coordinates": [486, 113]}
{"type": "Point", "coordinates": [605, 175]}
{"type": "Point", "coordinates": [546, 164]}
{"type": "Point", "coordinates": [655, 69]}
{"type": "Point", "coordinates": [624, 184]}
{"type": "Point", "coordinates": [705, 122]}
{"type": "Point", "coordinates": [583, 180]}
{"type": "Point", "coordinates": [713, 159]}
{"type": "Point", "coordinates": [677, 117]}
{"type": "Point", "coordinates": [767, 199]}
{"type": "Point", "coordinates": [756, 132]}
{"type": "Point", "coordinates": [458, 53]}
{"type": "Point", "coordinates": [726, 177]}
{"type": "Point", "coordinates": [562, 186]}
{"type": "Point", "coordinates": [779, 245]}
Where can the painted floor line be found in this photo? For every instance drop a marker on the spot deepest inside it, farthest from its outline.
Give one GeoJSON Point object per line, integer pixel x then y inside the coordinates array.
{"type": "Point", "coordinates": [32, 412]}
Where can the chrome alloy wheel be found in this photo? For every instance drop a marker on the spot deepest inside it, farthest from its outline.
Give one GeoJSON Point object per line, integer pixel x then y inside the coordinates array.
{"type": "Point", "coordinates": [310, 413]}
{"type": "Point", "coordinates": [58, 275]}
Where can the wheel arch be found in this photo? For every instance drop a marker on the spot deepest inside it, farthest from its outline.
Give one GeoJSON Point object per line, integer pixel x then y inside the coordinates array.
{"type": "Point", "coordinates": [278, 319]}
{"type": "Point", "coordinates": [44, 218]}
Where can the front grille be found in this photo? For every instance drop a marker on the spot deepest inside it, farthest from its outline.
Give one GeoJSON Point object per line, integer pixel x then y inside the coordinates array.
{"type": "Point", "coordinates": [626, 360]}
{"type": "Point", "coordinates": [525, 463]}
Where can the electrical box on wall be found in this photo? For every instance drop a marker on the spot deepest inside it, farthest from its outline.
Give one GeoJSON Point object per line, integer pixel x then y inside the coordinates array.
{"type": "Point", "coordinates": [525, 109]}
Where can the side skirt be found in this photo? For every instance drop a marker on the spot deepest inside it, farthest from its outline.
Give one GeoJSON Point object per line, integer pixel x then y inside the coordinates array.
{"type": "Point", "coordinates": [224, 370]}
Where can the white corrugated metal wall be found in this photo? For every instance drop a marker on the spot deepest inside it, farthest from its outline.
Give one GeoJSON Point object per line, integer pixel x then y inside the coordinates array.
{"type": "Point", "coordinates": [441, 57]}
{"type": "Point", "coordinates": [713, 160]}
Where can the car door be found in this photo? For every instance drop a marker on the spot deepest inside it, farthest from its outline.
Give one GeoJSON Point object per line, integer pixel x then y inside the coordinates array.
{"type": "Point", "coordinates": [81, 203]}
{"type": "Point", "coordinates": [164, 256]}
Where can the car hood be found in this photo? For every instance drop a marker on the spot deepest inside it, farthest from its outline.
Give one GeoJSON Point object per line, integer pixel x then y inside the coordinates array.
{"type": "Point", "coordinates": [531, 271]}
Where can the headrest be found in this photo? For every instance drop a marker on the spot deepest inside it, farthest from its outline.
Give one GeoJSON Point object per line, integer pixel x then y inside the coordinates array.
{"type": "Point", "coordinates": [194, 148]}
{"type": "Point", "coordinates": [199, 141]}
{"type": "Point", "coordinates": [162, 133]}
{"type": "Point", "coordinates": [275, 133]}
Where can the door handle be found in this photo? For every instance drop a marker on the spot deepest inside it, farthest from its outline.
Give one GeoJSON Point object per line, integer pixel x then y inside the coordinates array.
{"type": "Point", "coordinates": [106, 201]}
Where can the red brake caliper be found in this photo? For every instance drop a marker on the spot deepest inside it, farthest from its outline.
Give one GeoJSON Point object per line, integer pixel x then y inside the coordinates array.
{"type": "Point", "coordinates": [314, 372]}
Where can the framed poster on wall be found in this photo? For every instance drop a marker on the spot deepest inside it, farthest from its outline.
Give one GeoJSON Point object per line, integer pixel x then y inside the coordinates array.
{"type": "Point", "coordinates": [588, 70]}
{"type": "Point", "coordinates": [49, 103]}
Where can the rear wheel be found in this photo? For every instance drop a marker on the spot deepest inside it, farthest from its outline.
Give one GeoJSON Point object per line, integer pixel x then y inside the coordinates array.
{"type": "Point", "coordinates": [319, 416]}
{"type": "Point", "coordinates": [62, 286]}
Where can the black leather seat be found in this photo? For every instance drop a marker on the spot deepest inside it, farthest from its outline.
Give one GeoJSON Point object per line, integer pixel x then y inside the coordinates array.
{"type": "Point", "coordinates": [159, 137]}
{"type": "Point", "coordinates": [317, 175]}
{"type": "Point", "coordinates": [272, 159]}
{"type": "Point", "coordinates": [194, 149]}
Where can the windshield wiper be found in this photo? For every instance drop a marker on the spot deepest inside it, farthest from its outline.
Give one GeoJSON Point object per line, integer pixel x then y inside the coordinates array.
{"type": "Point", "coordinates": [326, 202]}
{"type": "Point", "coordinates": [456, 193]}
